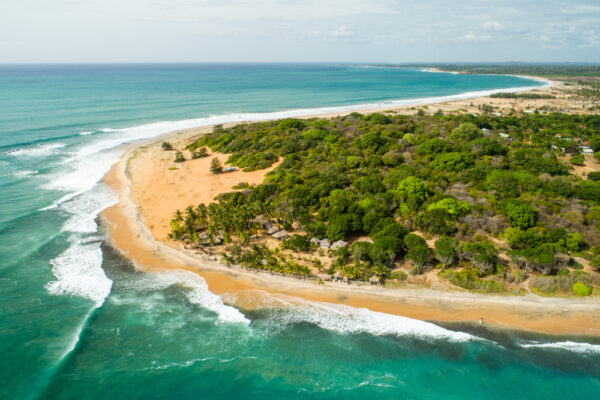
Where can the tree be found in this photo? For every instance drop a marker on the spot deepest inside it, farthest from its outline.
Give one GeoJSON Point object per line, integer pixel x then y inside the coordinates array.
{"type": "Point", "coordinates": [519, 213]}
{"type": "Point", "coordinates": [445, 249]}
{"type": "Point", "coordinates": [166, 146]}
{"type": "Point", "coordinates": [466, 132]}
{"type": "Point", "coordinates": [437, 221]}
{"type": "Point", "coordinates": [417, 250]}
{"type": "Point", "coordinates": [377, 118]}
{"type": "Point", "coordinates": [215, 166]}
{"type": "Point", "coordinates": [452, 206]}
{"type": "Point", "coordinates": [413, 191]}
{"type": "Point", "coordinates": [433, 146]}
{"type": "Point", "coordinates": [453, 161]}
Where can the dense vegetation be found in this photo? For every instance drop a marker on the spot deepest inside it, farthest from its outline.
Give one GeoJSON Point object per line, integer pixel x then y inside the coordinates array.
{"type": "Point", "coordinates": [547, 70]}
{"type": "Point", "coordinates": [535, 96]}
{"type": "Point", "coordinates": [384, 176]}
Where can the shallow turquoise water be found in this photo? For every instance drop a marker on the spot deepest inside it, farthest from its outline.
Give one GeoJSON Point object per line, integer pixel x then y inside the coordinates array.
{"type": "Point", "coordinates": [78, 322]}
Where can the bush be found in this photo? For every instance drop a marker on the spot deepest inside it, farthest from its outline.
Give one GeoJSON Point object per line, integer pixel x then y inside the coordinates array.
{"type": "Point", "coordinates": [519, 213]}
{"type": "Point", "coordinates": [166, 146]}
{"type": "Point", "coordinates": [377, 118]}
{"type": "Point", "coordinates": [215, 166]}
{"type": "Point", "coordinates": [545, 284]}
{"type": "Point", "coordinates": [400, 275]}
{"type": "Point", "coordinates": [297, 242]}
{"type": "Point", "coordinates": [577, 159]}
{"type": "Point", "coordinates": [291, 123]}
{"type": "Point", "coordinates": [581, 289]}
{"type": "Point", "coordinates": [199, 153]}
{"type": "Point", "coordinates": [179, 157]}
{"type": "Point", "coordinates": [468, 279]}
{"type": "Point", "coordinates": [594, 176]}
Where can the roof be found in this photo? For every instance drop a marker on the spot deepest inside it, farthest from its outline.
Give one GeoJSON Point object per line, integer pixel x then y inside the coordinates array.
{"type": "Point", "coordinates": [272, 230]}
{"type": "Point", "coordinates": [374, 278]}
{"type": "Point", "coordinates": [325, 244]}
{"type": "Point", "coordinates": [339, 244]}
{"type": "Point", "coordinates": [281, 235]}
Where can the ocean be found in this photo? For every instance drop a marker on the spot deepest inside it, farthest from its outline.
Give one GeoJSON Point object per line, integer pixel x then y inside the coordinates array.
{"type": "Point", "coordinates": [79, 322]}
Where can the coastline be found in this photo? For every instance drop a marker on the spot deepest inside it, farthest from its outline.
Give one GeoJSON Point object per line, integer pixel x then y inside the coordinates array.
{"type": "Point", "coordinates": [131, 235]}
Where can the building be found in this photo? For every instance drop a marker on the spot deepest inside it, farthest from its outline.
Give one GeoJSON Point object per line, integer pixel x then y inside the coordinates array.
{"type": "Point", "coordinates": [587, 151]}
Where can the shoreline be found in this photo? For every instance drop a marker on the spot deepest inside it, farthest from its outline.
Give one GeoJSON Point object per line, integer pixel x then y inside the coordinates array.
{"type": "Point", "coordinates": [131, 235]}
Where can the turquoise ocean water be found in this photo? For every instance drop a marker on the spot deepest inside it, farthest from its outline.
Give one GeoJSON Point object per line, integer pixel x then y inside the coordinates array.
{"type": "Point", "coordinates": [77, 321]}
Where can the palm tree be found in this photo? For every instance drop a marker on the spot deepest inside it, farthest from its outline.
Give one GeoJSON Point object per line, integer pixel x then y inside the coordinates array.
{"type": "Point", "coordinates": [178, 217]}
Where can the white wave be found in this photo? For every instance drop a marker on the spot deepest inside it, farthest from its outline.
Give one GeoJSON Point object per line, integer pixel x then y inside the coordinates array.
{"type": "Point", "coordinates": [577, 347]}
{"type": "Point", "coordinates": [80, 175]}
{"type": "Point", "coordinates": [199, 294]}
{"type": "Point", "coordinates": [36, 151]}
{"type": "Point", "coordinates": [345, 319]}
{"type": "Point", "coordinates": [78, 271]}
{"type": "Point", "coordinates": [85, 133]}
{"type": "Point", "coordinates": [86, 207]}
{"type": "Point", "coordinates": [108, 130]}
{"type": "Point", "coordinates": [437, 71]}
{"type": "Point", "coordinates": [23, 174]}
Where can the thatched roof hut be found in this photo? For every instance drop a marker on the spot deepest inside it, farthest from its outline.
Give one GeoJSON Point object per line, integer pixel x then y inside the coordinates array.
{"type": "Point", "coordinates": [374, 280]}
{"type": "Point", "coordinates": [280, 235]}
{"type": "Point", "coordinates": [272, 230]}
{"type": "Point", "coordinates": [338, 245]}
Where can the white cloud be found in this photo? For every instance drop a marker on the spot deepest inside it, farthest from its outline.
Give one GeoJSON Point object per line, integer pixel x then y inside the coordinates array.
{"type": "Point", "coordinates": [293, 30]}
{"type": "Point", "coordinates": [492, 25]}
{"type": "Point", "coordinates": [341, 31]}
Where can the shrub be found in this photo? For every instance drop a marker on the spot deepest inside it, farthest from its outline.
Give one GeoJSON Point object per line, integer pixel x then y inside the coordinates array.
{"type": "Point", "coordinates": [297, 242]}
{"type": "Point", "coordinates": [215, 166]}
{"type": "Point", "coordinates": [377, 118]}
{"type": "Point", "coordinates": [594, 176]}
{"type": "Point", "coordinates": [199, 153]}
{"type": "Point", "coordinates": [179, 157]}
{"type": "Point", "coordinates": [577, 159]}
{"type": "Point", "coordinates": [468, 279]}
{"type": "Point", "coordinates": [519, 213]}
{"type": "Point", "coordinates": [545, 284]}
{"type": "Point", "coordinates": [400, 275]}
{"type": "Point", "coordinates": [166, 146]}
{"type": "Point", "coordinates": [581, 289]}
{"type": "Point", "coordinates": [453, 161]}
{"type": "Point", "coordinates": [291, 123]}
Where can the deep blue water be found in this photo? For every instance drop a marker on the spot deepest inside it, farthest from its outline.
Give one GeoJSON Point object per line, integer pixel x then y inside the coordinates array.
{"type": "Point", "coordinates": [77, 321]}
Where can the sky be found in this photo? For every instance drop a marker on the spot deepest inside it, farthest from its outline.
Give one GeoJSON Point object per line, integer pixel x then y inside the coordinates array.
{"type": "Point", "coordinates": [369, 31]}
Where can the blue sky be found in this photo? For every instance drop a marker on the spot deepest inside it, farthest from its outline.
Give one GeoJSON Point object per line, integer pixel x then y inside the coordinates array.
{"type": "Point", "coordinates": [293, 30]}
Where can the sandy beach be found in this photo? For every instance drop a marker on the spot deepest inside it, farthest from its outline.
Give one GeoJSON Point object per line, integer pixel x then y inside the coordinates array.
{"type": "Point", "coordinates": [149, 192]}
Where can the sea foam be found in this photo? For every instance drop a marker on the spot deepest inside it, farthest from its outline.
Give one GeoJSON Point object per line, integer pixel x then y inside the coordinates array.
{"type": "Point", "coordinates": [36, 151]}
{"type": "Point", "coordinates": [577, 347]}
{"type": "Point", "coordinates": [78, 271]}
{"type": "Point", "coordinates": [199, 294]}
{"type": "Point", "coordinates": [350, 320]}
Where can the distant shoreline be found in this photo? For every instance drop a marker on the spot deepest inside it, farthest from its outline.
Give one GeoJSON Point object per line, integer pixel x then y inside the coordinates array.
{"type": "Point", "coordinates": [130, 234]}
